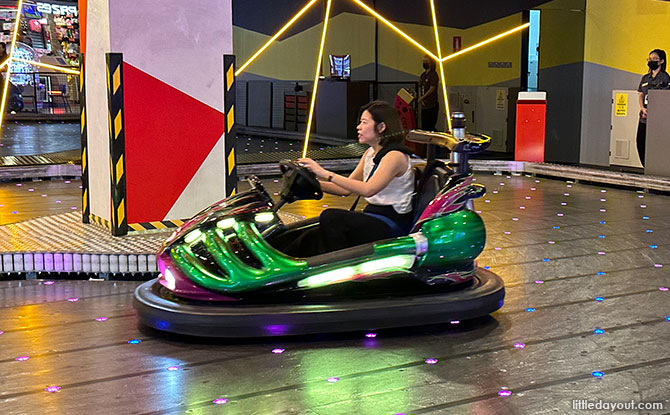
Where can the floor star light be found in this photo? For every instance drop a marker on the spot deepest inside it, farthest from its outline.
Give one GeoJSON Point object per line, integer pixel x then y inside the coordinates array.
{"type": "Point", "coordinates": [439, 59]}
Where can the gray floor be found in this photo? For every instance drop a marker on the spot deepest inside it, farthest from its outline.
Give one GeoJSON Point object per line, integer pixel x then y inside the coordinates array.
{"type": "Point", "coordinates": [581, 257]}
{"type": "Point", "coordinates": [18, 138]}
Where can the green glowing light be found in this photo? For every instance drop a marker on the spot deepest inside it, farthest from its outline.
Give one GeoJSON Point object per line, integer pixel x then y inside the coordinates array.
{"type": "Point", "coordinates": [326, 278]}
{"type": "Point", "coordinates": [193, 236]}
{"type": "Point", "coordinates": [264, 217]}
{"type": "Point", "coordinates": [393, 263]}
{"type": "Point", "coordinates": [387, 264]}
{"type": "Point", "coordinates": [226, 223]}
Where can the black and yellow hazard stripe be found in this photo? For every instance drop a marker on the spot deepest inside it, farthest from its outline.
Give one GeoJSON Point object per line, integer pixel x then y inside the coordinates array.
{"type": "Point", "coordinates": [85, 195]}
{"type": "Point", "coordinates": [117, 142]}
{"type": "Point", "coordinates": [148, 226]}
{"type": "Point", "coordinates": [231, 129]}
{"type": "Point", "coordinates": [97, 220]}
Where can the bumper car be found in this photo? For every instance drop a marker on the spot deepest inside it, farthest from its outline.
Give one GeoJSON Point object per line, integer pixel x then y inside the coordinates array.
{"type": "Point", "coordinates": [224, 273]}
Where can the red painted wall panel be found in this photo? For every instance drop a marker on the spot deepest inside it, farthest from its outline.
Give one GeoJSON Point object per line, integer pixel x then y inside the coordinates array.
{"type": "Point", "coordinates": [168, 136]}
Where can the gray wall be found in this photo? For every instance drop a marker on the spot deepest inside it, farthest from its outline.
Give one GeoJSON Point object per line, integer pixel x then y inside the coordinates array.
{"type": "Point", "coordinates": [599, 81]}
{"type": "Point", "coordinates": [564, 111]}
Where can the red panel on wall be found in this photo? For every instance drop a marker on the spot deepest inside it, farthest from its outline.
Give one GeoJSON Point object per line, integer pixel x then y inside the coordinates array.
{"type": "Point", "coordinates": [169, 134]}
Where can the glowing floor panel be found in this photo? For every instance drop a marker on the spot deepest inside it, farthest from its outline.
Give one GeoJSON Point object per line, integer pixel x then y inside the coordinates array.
{"type": "Point", "coordinates": [586, 318]}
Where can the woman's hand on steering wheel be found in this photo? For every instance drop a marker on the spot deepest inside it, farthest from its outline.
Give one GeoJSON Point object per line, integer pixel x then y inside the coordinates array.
{"type": "Point", "coordinates": [314, 167]}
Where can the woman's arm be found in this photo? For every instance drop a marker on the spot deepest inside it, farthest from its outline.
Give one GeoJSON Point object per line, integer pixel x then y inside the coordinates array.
{"type": "Point", "coordinates": [392, 165]}
{"type": "Point", "coordinates": [333, 189]}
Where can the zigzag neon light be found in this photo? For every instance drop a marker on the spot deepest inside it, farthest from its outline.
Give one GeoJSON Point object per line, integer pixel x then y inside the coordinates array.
{"type": "Point", "coordinates": [273, 38]}
{"type": "Point", "coordinates": [486, 42]}
{"type": "Point", "coordinates": [46, 65]}
{"type": "Point", "coordinates": [11, 52]}
{"type": "Point", "coordinates": [317, 72]}
{"type": "Point", "coordinates": [439, 59]}
{"type": "Point", "coordinates": [395, 29]}
{"type": "Point", "coordinates": [439, 62]}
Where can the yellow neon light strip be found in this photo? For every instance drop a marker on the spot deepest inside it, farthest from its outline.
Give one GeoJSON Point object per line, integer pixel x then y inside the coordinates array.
{"type": "Point", "coordinates": [487, 41]}
{"type": "Point", "coordinates": [273, 38]}
{"type": "Point", "coordinates": [46, 65]}
{"type": "Point", "coordinates": [400, 32]}
{"type": "Point", "coordinates": [316, 77]}
{"type": "Point", "coordinates": [439, 62]}
{"type": "Point", "coordinates": [5, 62]}
{"type": "Point", "coordinates": [17, 25]}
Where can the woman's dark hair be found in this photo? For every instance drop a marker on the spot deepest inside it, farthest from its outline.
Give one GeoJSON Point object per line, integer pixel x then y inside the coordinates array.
{"type": "Point", "coordinates": [382, 111]}
{"type": "Point", "coordinates": [661, 54]}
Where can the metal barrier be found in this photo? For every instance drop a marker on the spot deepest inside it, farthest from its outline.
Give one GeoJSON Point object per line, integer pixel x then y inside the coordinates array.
{"type": "Point", "coordinates": [44, 93]}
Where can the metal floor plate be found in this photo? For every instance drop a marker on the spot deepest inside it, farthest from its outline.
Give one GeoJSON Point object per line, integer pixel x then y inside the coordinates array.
{"type": "Point", "coordinates": [62, 243]}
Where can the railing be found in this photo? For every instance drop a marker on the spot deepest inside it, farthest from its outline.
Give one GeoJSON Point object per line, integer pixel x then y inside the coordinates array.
{"type": "Point", "coordinates": [43, 93]}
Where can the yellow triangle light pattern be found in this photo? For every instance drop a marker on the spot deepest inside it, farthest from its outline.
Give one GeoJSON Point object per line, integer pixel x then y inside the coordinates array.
{"type": "Point", "coordinates": [438, 58]}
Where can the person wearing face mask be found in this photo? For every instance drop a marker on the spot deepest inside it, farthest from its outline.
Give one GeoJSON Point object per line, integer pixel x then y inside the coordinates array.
{"type": "Point", "coordinates": [656, 78]}
{"type": "Point", "coordinates": [384, 177]}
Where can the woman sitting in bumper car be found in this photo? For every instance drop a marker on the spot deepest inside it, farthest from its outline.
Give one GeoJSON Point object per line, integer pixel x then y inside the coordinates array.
{"type": "Point", "coordinates": [383, 176]}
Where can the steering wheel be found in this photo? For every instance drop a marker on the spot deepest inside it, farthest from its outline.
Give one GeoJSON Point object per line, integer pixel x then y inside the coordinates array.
{"type": "Point", "coordinates": [299, 183]}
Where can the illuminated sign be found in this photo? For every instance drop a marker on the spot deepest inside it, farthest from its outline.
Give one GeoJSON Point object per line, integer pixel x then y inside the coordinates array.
{"type": "Point", "coordinates": [58, 9]}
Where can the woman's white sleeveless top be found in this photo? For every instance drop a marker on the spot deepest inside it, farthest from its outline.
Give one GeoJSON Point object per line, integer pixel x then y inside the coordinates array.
{"type": "Point", "coordinates": [398, 193]}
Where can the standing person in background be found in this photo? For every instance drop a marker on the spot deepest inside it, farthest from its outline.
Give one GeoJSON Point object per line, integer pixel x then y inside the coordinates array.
{"type": "Point", "coordinates": [428, 94]}
{"type": "Point", "coordinates": [656, 78]}
{"type": "Point", "coordinates": [428, 99]}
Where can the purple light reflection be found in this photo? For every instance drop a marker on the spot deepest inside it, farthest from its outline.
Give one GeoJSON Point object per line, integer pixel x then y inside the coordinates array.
{"type": "Point", "coordinates": [277, 329]}
{"type": "Point", "coordinates": [52, 389]}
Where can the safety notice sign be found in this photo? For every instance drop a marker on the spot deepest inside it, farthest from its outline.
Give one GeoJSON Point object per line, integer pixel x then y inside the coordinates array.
{"type": "Point", "coordinates": [621, 107]}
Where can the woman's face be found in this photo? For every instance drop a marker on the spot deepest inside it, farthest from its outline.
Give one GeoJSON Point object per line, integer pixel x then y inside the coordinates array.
{"type": "Point", "coordinates": [655, 57]}
{"type": "Point", "coordinates": [368, 132]}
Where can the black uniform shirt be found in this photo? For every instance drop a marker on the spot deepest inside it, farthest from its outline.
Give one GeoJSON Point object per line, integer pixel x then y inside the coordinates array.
{"type": "Point", "coordinates": [662, 81]}
{"type": "Point", "coordinates": [428, 79]}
